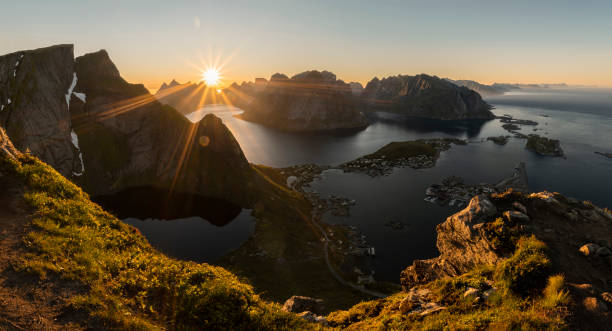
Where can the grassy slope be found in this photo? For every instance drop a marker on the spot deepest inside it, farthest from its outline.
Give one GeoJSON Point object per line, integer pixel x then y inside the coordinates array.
{"type": "Point", "coordinates": [528, 297]}
{"type": "Point", "coordinates": [129, 284]}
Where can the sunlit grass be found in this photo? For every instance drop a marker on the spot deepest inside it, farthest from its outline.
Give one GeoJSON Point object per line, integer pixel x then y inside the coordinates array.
{"type": "Point", "coordinates": [130, 285]}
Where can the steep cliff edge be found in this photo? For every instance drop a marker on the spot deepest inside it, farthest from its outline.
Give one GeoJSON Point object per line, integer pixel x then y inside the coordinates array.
{"type": "Point", "coordinates": [485, 233]}
{"type": "Point", "coordinates": [309, 101]}
{"type": "Point", "coordinates": [425, 96]}
{"type": "Point", "coordinates": [36, 90]}
{"type": "Point", "coordinates": [129, 139]}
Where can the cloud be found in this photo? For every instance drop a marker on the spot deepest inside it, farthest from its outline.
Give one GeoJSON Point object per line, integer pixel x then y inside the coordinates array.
{"type": "Point", "coordinates": [196, 22]}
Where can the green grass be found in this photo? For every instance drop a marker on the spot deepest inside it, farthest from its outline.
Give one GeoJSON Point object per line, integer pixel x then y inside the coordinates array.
{"type": "Point", "coordinates": [526, 270]}
{"type": "Point", "coordinates": [129, 285]}
{"type": "Point", "coordinates": [508, 308]}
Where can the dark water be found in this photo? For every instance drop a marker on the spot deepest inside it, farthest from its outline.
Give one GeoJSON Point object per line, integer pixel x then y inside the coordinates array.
{"type": "Point", "coordinates": [184, 226]}
{"type": "Point", "coordinates": [580, 118]}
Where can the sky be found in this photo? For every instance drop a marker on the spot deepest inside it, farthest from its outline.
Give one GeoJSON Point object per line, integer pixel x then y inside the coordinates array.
{"type": "Point", "coordinates": [487, 41]}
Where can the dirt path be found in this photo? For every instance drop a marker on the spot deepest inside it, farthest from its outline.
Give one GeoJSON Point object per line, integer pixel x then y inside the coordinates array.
{"type": "Point", "coordinates": [26, 303]}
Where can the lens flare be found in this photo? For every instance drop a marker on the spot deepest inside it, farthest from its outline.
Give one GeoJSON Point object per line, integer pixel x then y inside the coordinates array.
{"type": "Point", "coordinates": [211, 77]}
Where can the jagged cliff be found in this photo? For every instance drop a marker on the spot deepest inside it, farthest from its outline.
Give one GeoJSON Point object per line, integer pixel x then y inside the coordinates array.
{"type": "Point", "coordinates": [425, 96]}
{"type": "Point", "coordinates": [86, 121]}
{"type": "Point", "coordinates": [309, 101]}
{"type": "Point", "coordinates": [36, 91]}
{"type": "Point", "coordinates": [129, 139]}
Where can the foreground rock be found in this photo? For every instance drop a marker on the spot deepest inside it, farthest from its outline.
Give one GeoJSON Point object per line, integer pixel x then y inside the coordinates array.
{"type": "Point", "coordinates": [425, 96]}
{"type": "Point", "coordinates": [310, 101]}
{"type": "Point", "coordinates": [472, 236]}
{"type": "Point", "coordinates": [544, 146]}
{"type": "Point", "coordinates": [36, 92]}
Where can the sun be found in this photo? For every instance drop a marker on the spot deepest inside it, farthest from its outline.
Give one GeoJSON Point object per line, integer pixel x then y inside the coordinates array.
{"type": "Point", "coordinates": [211, 77]}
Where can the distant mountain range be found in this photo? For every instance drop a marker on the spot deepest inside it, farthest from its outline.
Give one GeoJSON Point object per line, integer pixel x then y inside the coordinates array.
{"type": "Point", "coordinates": [499, 88]}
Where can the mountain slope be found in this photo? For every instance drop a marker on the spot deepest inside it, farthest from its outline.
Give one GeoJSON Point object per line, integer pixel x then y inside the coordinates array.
{"type": "Point", "coordinates": [309, 101]}
{"type": "Point", "coordinates": [98, 273]}
{"type": "Point", "coordinates": [108, 135]}
{"type": "Point", "coordinates": [425, 96]}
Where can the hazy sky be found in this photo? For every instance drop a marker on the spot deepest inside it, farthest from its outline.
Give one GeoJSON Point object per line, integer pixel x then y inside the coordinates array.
{"type": "Point", "coordinates": [154, 41]}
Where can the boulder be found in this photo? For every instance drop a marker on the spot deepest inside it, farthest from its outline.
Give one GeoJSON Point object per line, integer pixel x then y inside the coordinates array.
{"type": "Point", "coordinates": [520, 207]}
{"type": "Point", "coordinates": [516, 216]}
{"type": "Point", "coordinates": [298, 304]}
{"type": "Point", "coordinates": [589, 249]}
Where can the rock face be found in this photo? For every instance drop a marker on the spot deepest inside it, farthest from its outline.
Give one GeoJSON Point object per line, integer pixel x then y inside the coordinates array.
{"type": "Point", "coordinates": [425, 96]}
{"type": "Point", "coordinates": [544, 146]}
{"type": "Point", "coordinates": [461, 242]}
{"type": "Point", "coordinates": [115, 135]}
{"type": "Point", "coordinates": [129, 139]}
{"type": "Point", "coordinates": [36, 91]}
{"type": "Point", "coordinates": [309, 101]}
{"type": "Point", "coordinates": [472, 236]}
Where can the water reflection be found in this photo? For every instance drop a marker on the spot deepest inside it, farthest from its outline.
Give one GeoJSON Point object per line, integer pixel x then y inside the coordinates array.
{"type": "Point", "coordinates": [151, 202]}
{"type": "Point", "coordinates": [460, 128]}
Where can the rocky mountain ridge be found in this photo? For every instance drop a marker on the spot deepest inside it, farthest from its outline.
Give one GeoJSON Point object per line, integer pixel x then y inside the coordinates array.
{"type": "Point", "coordinates": [309, 101]}
{"type": "Point", "coordinates": [106, 134]}
{"type": "Point", "coordinates": [425, 96]}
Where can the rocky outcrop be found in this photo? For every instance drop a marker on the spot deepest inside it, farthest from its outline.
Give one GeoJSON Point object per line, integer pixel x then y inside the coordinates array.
{"type": "Point", "coordinates": [129, 139]}
{"type": "Point", "coordinates": [309, 101]}
{"type": "Point", "coordinates": [482, 234]}
{"type": "Point", "coordinates": [544, 146]}
{"type": "Point", "coordinates": [36, 91]}
{"type": "Point", "coordinates": [462, 244]}
{"type": "Point", "coordinates": [426, 97]}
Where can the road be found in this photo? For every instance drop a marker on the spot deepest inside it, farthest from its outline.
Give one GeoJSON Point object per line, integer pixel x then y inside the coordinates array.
{"type": "Point", "coordinates": [336, 275]}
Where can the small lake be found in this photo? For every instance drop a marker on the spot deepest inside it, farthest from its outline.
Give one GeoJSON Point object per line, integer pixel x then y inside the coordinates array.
{"type": "Point", "coordinates": [184, 226]}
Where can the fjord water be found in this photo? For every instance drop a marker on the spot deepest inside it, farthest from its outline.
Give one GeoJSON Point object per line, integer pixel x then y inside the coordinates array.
{"type": "Point", "coordinates": [184, 226]}
{"type": "Point", "coordinates": [583, 126]}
